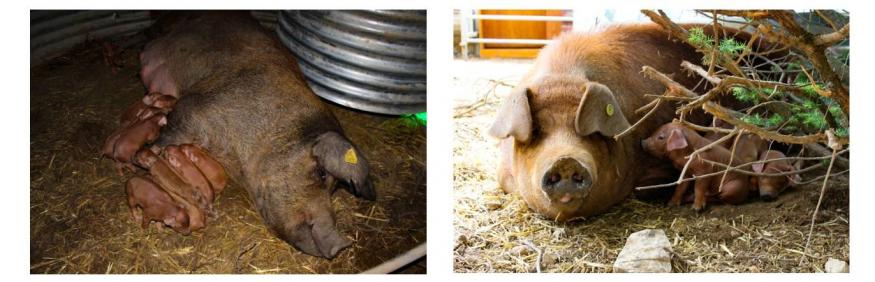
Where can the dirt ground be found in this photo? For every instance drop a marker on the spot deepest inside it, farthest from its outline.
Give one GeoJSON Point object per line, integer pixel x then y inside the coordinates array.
{"type": "Point", "coordinates": [80, 222]}
{"type": "Point", "coordinates": [496, 232]}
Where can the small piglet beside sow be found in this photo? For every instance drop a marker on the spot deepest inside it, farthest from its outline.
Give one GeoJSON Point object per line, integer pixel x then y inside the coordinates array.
{"type": "Point", "coordinates": [557, 148]}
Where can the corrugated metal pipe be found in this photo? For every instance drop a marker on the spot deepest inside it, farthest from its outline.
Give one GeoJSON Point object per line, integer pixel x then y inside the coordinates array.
{"type": "Point", "coordinates": [373, 61]}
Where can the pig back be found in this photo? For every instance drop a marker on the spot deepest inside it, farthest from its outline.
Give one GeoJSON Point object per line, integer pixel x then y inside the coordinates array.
{"type": "Point", "coordinates": [242, 94]}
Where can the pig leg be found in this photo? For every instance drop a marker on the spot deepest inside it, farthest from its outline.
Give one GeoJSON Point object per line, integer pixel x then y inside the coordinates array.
{"type": "Point", "coordinates": [679, 192]}
{"type": "Point", "coordinates": [136, 213]}
{"type": "Point", "coordinates": [701, 191]}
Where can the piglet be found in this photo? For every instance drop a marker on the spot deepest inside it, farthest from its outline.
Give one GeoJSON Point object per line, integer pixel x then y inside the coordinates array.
{"type": "Point", "coordinates": [181, 192]}
{"type": "Point", "coordinates": [158, 100]}
{"type": "Point", "coordinates": [748, 147]}
{"type": "Point", "coordinates": [156, 205]}
{"type": "Point", "coordinates": [189, 173]}
{"type": "Point", "coordinates": [676, 142]}
{"type": "Point", "coordinates": [131, 139]}
{"type": "Point", "coordinates": [151, 104]}
{"type": "Point", "coordinates": [211, 169]}
{"type": "Point", "coordinates": [770, 186]}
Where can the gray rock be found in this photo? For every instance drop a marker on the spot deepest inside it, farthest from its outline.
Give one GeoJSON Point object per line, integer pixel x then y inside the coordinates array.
{"type": "Point", "coordinates": [645, 251]}
{"type": "Point", "coordinates": [835, 266]}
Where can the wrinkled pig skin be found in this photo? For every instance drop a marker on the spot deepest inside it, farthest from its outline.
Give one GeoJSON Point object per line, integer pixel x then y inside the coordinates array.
{"type": "Point", "coordinates": [242, 98]}
{"type": "Point", "coordinates": [148, 202]}
{"type": "Point", "coordinates": [540, 137]}
{"type": "Point", "coordinates": [675, 142]}
{"type": "Point", "coordinates": [770, 186]}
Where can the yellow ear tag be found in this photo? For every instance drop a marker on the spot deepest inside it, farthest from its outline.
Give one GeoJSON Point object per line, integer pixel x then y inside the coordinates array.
{"type": "Point", "coordinates": [609, 109]}
{"type": "Point", "coordinates": [350, 157]}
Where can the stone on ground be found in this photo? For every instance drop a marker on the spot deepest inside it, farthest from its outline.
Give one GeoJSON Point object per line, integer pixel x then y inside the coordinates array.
{"type": "Point", "coordinates": [645, 251]}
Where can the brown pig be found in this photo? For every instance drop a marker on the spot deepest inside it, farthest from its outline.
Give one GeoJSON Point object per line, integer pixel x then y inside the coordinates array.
{"type": "Point", "coordinates": [133, 114]}
{"type": "Point", "coordinates": [151, 104]}
{"type": "Point", "coordinates": [190, 173]}
{"type": "Point", "coordinates": [676, 142]}
{"type": "Point", "coordinates": [148, 202]}
{"type": "Point", "coordinates": [211, 169]}
{"type": "Point", "coordinates": [158, 100]}
{"type": "Point", "coordinates": [770, 186]}
{"type": "Point", "coordinates": [243, 98]}
{"type": "Point", "coordinates": [132, 138]}
{"type": "Point", "coordinates": [183, 193]}
{"type": "Point", "coordinates": [748, 147]}
{"type": "Point", "coordinates": [557, 128]}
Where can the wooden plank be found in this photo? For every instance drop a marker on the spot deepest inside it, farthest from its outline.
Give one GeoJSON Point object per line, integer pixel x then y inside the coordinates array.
{"type": "Point", "coordinates": [526, 53]}
{"type": "Point", "coordinates": [516, 30]}
{"type": "Point", "coordinates": [512, 29]}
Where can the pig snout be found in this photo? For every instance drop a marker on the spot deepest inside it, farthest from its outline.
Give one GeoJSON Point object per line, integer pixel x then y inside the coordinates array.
{"type": "Point", "coordinates": [566, 180]}
{"type": "Point", "coordinates": [768, 195]}
{"type": "Point", "coordinates": [317, 236]}
{"type": "Point", "coordinates": [328, 241]}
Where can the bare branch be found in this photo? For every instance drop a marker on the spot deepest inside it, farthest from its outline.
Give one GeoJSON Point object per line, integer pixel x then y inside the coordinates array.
{"type": "Point", "coordinates": [730, 116]}
{"type": "Point", "coordinates": [819, 201]}
{"type": "Point", "coordinates": [628, 130]}
{"type": "Point", "coordinates": [833, 38]}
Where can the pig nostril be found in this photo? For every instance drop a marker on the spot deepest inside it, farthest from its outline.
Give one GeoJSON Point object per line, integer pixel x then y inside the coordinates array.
{"type": "Point", "coordinates": [553, 179]}
{"type": "Point", "coordinates": [577, 177]}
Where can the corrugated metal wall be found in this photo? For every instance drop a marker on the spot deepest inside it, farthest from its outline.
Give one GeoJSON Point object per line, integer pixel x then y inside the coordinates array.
{"type": "Point", "coordinates": [368, 60]}
{"type": "Point", "coordinates": [53, 33]}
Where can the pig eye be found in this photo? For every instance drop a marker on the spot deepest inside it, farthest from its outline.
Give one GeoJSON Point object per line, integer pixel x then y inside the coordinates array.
{"type": "Point", "coordinates": [660, 137]}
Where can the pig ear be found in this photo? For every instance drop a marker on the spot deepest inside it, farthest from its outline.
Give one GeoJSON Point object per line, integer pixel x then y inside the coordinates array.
{"type": "Point", "coordinates": [676, 140]}
{"type": "Point", "coordinates": [758, 167]}
{"type": "Point", "coordinates": [783, 166]}
{"type": "Point", "coordinates": [338, 157]}
{"type": "Point", "coordinates": [599, 112]}
{"type": "Point", "coordinates": [514, 118]}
